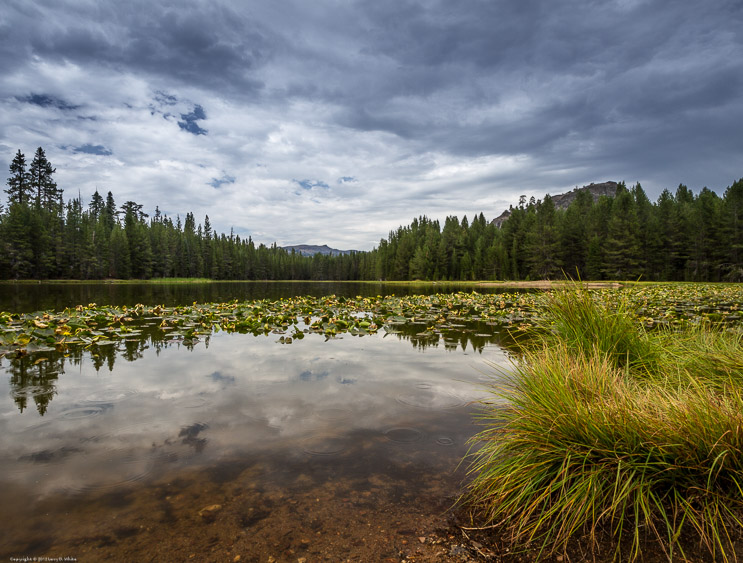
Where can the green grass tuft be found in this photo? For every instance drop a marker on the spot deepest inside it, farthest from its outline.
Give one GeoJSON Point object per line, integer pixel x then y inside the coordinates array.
{"type": "Point", "coordinates": [608, 427]}
{"type": "Point", "coordinates": [586, 321]}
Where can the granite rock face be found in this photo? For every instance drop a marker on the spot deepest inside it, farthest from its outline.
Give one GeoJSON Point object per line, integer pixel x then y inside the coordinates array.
{"type": "Point", "coordinates": [562, 201]}
{"type": "Point", "coordinates": [608, 189]}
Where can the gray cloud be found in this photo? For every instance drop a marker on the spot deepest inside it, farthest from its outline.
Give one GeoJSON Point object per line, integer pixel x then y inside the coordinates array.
{"type": "Point", "coordinates": [193, 43]}
{"type": "Point", "coordinates": [425, 106]}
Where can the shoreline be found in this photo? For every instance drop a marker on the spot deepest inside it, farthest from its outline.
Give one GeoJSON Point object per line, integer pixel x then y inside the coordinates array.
{"type": "Point", "coordinates": [552, 284]}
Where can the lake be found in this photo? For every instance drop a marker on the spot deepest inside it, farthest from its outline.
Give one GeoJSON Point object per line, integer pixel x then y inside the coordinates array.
{"type": "Point", "coordinates": [26, 297]}
{"type": "Point", "coordinates": [236, 447]}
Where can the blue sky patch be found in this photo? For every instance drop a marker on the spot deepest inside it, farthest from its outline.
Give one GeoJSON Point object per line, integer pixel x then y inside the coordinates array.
{"type": "Point", "coordinates": [219, 182]}
{"type": "Point", "coordinates": [87, 148]}
{"type": "Point", "coordinates": [189, 121]}
{"type": "Point", "coordinates": [47, 101]}
{"type": "Point", "coordinates": [309, 184]}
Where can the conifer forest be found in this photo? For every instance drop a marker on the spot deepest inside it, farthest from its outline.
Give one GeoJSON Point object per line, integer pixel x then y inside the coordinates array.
{"type": "Point", "coordinates": [682, 236]}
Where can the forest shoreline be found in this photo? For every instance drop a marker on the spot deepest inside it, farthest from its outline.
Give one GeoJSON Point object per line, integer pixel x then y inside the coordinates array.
{"type": "Point", "coordinates": [536, 284]}
{"type": "Point", "coordinates": [533, 284]}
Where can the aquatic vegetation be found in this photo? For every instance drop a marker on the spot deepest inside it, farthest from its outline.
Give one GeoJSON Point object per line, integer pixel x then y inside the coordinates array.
{"type": "Point", "coordinates": [290, 318]}
{"type": "Point", "coordinates": [610, 428]}
{"type": "Point", "coordinates": [422, 315]}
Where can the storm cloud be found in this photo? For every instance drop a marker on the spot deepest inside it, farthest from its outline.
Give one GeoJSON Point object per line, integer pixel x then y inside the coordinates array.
{"type": "Point", "coordinates": [282, 118]}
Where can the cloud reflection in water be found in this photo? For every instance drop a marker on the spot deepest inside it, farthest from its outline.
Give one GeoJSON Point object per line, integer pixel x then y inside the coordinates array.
{"type": "Point", "coordinates": [243, 394]}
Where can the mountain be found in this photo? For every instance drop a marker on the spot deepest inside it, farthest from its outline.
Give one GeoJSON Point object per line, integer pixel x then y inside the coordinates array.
{"type": "Point", "coordinates": [312, 249]}
{"type": "Point", "coordinates": [562, 201]}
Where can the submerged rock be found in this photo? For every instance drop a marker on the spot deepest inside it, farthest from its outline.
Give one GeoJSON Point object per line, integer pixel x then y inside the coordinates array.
{"type": "Point", "coordinates": [209, 513]}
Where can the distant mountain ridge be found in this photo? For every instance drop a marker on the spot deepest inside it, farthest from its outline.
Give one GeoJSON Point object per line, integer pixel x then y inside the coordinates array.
{"type": "Point", "coordinates": [312, 249]}
{"type": "Point", "coordinates": [562, 201]}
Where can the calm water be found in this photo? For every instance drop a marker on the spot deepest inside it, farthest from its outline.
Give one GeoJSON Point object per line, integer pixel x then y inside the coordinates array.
{"type": "Point", "coordinates": [25, 297]}
{"type": "Point", "coordinates": [237, 446]}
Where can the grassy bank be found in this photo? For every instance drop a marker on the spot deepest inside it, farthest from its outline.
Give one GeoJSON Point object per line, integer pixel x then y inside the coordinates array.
{"type": "Point", "coordinates": [611, 429]}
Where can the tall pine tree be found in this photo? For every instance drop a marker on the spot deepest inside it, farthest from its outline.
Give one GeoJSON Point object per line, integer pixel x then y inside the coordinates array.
{"type": "Point", "coordinates": [42, 182]}
{"type": "Point", "coordinates": [19, 184]}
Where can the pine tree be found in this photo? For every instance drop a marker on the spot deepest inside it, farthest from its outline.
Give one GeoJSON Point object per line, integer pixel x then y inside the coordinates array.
{"type": "Point", "coordinates": [16, 242]}
{"type": "Point", "coordinates": [19, 184]}
{"type": "Point", "coordinates": [74, 241]}
{"type": "Point", "coordinates": [685, 217]}
{"type": "Point", "coordinates": [118, 259]}
{"type": "Point", "coordinates": [138, 241]}
{"type": "Point", "coordinates": [573, 227]}
{"type": "Point", "coordinates": [109, 215]}
{"type": "Point", "coordinates": [646, 229]}
{"type": "Point", "coordinates": [42, 182]}
{"type": "Point", "coordinates": [207, 228]}
{"type": "Point", "coordinates": [622, 248]}
{"type": "Point", "coordinates": [543, 244]}
{"type": "Point", "coordinates": [594, 259]}
{"type": "Point", "coordinates": [96, 205]}
{"type": "Point", "coordinates": [666, 263]}
{"type": "Point", "coordinates": [706, 243]}
{"type": "Point", "coordinates": [733, 229]}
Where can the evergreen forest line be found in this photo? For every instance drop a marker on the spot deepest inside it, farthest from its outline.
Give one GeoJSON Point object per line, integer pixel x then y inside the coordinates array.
{"type": "Point", "coordinates": [681, 237]}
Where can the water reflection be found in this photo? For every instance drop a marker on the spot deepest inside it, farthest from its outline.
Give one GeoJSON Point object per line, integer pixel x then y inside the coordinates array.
{"type": "Point", "coordinates": [140, 429]}
{"type": "Point", "coordinates": [114, 422]}
{"type": "Point", "coordinates": [34, 376]}
{"type": "Point", "coordinates": [34, 381]}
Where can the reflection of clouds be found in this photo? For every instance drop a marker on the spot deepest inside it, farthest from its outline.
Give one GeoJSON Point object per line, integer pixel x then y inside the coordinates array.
{"type": "Point", "coordinates": [242, 394]}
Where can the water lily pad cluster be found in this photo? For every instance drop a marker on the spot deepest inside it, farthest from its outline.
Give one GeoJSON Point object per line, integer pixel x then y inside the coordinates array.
{"type": "Point", "coordinates": [676, 304]}
{"type": "Point", "coordinates": [293, 318]}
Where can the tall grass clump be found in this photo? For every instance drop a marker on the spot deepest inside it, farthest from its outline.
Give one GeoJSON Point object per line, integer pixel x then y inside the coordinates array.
{"type": "Point", "coordinates": [589, 445]}
{"type": "Point", "coordinates": [706, 354]}
{"type": "Point", "coordinates": [587, 322]}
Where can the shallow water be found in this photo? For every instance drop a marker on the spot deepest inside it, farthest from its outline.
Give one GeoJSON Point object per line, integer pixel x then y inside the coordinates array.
{"type": "Point", "coordinates": [237, 446]}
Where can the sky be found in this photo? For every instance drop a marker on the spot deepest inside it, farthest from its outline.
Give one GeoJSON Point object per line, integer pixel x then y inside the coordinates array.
{"type": "Point", "coordinates": [335, 121]}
